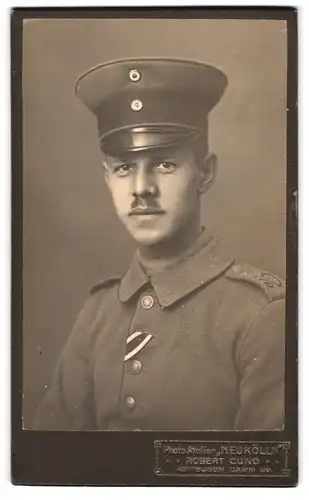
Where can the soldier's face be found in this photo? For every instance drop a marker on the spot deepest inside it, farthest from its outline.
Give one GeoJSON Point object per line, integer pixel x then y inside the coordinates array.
{"type": "Point", "coordinates": [156, 194]}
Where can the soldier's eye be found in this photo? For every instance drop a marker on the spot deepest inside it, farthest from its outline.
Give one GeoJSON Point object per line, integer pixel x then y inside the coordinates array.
{"type": "Point", "coordinates": [122, 170]}
{"type": "Point", "coordinates": [166, 167]}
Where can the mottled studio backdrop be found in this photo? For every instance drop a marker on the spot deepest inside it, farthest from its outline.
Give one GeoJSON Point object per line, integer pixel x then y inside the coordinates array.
{"type": "Point", "coordinates": [71, 236]}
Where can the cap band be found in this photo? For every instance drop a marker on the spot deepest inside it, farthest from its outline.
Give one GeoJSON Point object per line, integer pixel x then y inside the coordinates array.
{"type": "Point", "coordinates": [148, 137]}
{"type": "Point", "coordinates": [180, 109]}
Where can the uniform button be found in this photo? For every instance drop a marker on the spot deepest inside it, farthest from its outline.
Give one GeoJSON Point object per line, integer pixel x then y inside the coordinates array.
{"type": "Point", "coordinates": [147, 302]}
{"type": "Point", "coordinates": [136, 367]}
{"type": "Point", "coordinates": [130, 403]}
{"type": "Point", "coordinates": [134, 75]}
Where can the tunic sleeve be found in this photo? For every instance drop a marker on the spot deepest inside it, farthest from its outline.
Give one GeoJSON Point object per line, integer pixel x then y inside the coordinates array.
{"type": "Point", "coordinates": [260, 360]}
{"type": "Point", "coordinates": [69, 402]}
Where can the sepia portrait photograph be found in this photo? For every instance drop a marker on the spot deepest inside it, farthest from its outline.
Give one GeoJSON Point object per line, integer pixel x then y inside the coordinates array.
{"type": "Point", "coordinates": [155, 225]}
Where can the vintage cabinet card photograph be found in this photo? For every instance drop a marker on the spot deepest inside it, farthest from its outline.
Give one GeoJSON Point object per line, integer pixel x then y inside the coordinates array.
{"type": "Point", "coordinates": [154, 290]}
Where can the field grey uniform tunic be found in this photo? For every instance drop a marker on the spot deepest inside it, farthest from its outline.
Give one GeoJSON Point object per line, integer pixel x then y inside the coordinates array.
{"type": "Point", "coordinates": [197, 345]}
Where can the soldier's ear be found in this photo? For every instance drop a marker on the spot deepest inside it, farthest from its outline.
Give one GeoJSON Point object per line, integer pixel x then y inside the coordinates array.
{"type": "Point", "coordinates": [208, 170]}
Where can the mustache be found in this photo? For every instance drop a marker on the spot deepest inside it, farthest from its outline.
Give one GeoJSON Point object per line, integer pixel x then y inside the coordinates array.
{"type": "Point", "coordinates": [141, 206]}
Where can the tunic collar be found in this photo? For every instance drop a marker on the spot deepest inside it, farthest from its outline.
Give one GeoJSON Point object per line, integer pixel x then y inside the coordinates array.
{"type": "Point", "coordinates": [180, 279]}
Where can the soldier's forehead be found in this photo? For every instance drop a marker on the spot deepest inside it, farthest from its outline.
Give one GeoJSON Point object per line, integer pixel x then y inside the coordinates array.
{"type": "Point", "coordinates": [176, 152]}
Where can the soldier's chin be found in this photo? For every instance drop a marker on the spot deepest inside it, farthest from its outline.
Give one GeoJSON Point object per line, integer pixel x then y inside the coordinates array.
{"type": "Point", "coordinates": [149, 237]}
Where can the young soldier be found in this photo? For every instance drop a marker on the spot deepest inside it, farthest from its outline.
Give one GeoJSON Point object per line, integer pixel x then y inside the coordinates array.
{"type": "Point", "coordinates": [186, 338]}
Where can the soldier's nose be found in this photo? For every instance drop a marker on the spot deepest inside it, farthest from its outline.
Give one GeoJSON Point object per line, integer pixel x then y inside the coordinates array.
{"type": "Point", "coordinates": [143, 182]}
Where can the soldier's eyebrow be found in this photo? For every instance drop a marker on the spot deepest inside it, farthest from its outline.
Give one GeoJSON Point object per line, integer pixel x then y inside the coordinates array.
{"type": "Point", "coordinates": [112, 160]}
{"type": "Point", "coordinates": [153, 157]}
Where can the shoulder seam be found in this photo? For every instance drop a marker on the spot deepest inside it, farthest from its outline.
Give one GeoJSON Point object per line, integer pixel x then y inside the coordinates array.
{"type": "Point", "coordinates": [105, 284]}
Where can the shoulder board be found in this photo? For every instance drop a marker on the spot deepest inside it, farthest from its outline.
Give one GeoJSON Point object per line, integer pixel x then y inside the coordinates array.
{"type": "Point", "coordinates": [273, 286]}
{"type": "Point", "coordinates": [107, 283]}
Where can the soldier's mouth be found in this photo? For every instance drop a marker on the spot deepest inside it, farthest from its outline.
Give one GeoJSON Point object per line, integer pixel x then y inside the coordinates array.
{"type": "Point", "coordinates": [146, 211]}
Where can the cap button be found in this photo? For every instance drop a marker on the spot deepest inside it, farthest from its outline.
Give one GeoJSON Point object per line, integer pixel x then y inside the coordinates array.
{"type": "Point", "coordinates": [134, 75]}
{"type": "Point", "coordinates": [136, 105]}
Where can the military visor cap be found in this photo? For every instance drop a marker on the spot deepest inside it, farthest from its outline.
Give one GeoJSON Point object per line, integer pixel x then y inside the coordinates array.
{"type": "Point", "coordinates": [150, 102]}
